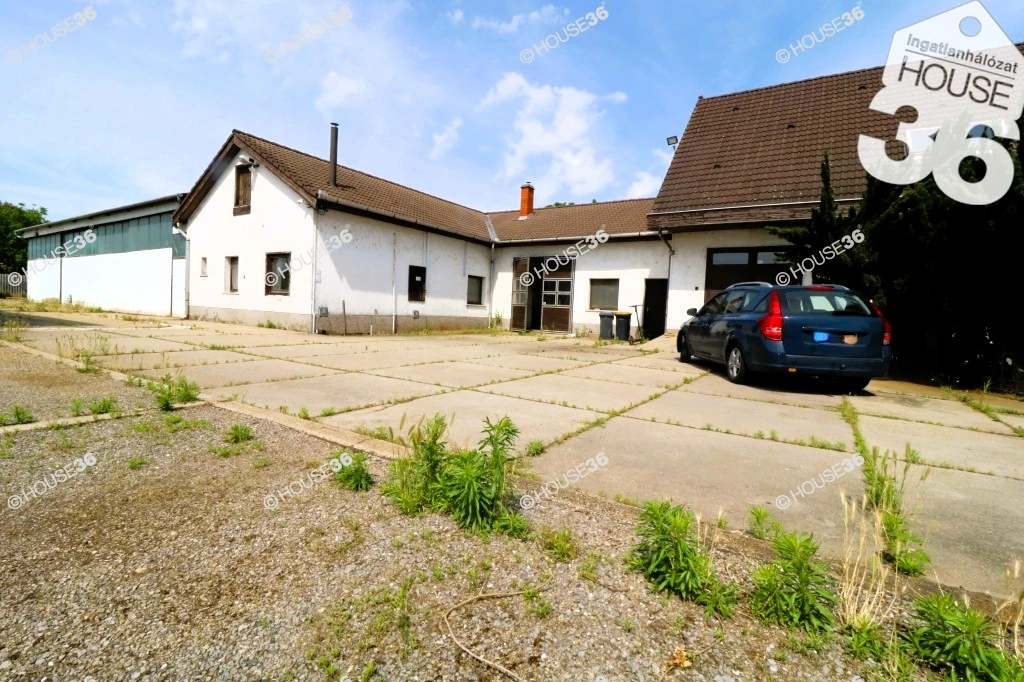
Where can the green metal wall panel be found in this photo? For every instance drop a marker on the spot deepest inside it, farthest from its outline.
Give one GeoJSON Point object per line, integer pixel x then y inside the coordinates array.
{"type": "Point", "coordinates": [138, 234]}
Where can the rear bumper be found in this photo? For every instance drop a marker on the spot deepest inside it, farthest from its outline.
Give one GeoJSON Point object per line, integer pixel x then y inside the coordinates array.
{"type": "Point", "coordinates": [823, 366]}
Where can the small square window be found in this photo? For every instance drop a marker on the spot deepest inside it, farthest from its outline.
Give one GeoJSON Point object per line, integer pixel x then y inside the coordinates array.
{"type": "Point", "coordinates": [604, 294]}
{"type": "Point", "coordinates": [278, 275]}
{"type": "Point", "coordinates": [474, 290]}
{"type": "Point", "coordinates": [202, 267]}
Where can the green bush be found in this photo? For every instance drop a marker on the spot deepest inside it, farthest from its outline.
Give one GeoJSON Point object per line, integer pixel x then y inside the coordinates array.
{"type": "Point", "coordinates": [960, 641]}
{"type": "Point", "coordinates": [469, 490]}
{"type": "Point", "coordinates": [670, 556]}
{"type": "Point", "coordinates": [355, 476]}
{"type": "Point", "coordinates": [794, 590]}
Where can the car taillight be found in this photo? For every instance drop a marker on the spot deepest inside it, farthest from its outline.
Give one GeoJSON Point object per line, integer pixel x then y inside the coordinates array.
{"type": "Point", "coordinates": [886, 327]}
{"type": "Point", "coordinates": [771, 324]}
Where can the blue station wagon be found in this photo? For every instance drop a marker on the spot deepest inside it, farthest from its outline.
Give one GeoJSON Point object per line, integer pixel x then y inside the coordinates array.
{"type": "Point", "coordinates": [821, 330]}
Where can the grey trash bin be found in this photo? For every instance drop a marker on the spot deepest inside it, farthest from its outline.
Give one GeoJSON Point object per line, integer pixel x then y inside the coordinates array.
{"type": "Point", "coordinates": [622, 326]}
{"type": "Point", "coordinates": [606, 325]}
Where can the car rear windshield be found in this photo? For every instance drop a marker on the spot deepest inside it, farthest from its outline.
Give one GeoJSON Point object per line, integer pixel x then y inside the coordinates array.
{"type": "Point", "coordinates": [826, 302]}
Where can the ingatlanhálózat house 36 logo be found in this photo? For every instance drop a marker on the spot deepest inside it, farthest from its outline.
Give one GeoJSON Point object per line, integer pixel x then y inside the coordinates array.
{"type": "Point", "coordinates": [965, 78]}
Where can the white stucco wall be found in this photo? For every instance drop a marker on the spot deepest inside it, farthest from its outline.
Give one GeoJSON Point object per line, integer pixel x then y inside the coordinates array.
{"type": "Point", "coordinates": [630, 262]}
{"type": "Point", "coordinates": [277, 223]}
{"type": "Point", "coordinates": [132, 282]}
{"type": "Point", "coordinates": [43, 278]}
{"type": "Point", "coordinates": [364, 272]}
{"type": "Point", "coordinates": [689, 266]}
{"type": "Point", "coordinates": [178, 288]}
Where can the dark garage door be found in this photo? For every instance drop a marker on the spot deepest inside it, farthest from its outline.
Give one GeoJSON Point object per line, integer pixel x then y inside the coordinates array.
{"type": "Point", "coordinates": [744, 264]}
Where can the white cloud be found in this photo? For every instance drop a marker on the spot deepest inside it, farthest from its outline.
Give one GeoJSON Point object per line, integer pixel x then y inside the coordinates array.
{"type": "Point", "coordinates": [456, 17]}
{"type": "Point", "coordinates": [617, 97]}
{"type": "Point", "coordinates": [664, 156]}
{"type": "Point", "coordinates": [644, 185]}
{"type": "Point", "coordinates": [557, 127]}
{"type": "Point", "coordinates": [446, 139]}
{"type": "Point", "coordinates": [548, 14]}
{"type": "Point", "coordinates": [338, 91]}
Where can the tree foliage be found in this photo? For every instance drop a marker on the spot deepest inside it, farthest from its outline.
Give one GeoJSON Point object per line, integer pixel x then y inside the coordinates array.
{"type": "Point", "coordinates": [14, 249]}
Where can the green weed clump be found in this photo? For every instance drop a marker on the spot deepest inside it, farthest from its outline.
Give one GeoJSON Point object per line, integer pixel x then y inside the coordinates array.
{"type": "Point", "coordinates": [954, 638]}
{"type": "Point", "coordinates": [674, 558]}
{"type": "Point", "coordinates": [794, 590]}
{"type": "Point", "coordinates": [180, 390]}
{"type": "Point", "coordinates": [468, 484]}
{"type": "Point", "coordinates": [355, 476]}
{"type": "Point", "coordinates": [885, 485]}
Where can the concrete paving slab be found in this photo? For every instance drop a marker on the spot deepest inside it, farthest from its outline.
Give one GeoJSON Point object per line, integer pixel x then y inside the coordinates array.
{"type": "Point", "coordinates": [624, 374]}
{"type": "Point", "coordinates": [950, 412]}
{"type": "Point", "coordinates": [234, 340]}
{"type": "Point", "coordinates": [1016, 420]}
{"type": "Point", "coordinates": [311, 350]}
{"type": "Point", "coordinates": [337, 391]}
{"type": "Point", "coordinates": [393, 358]}
{"type": "Point", "coordinates": [713, 384]}
{"type": "Point", "coordinates": [658, 361]}
{"type": "Point", "coordinates": [747, 417]}
{"type": "Point", "coordinates": [97, 342]}
{"type": "Point", "coordinates": [169, 360]}
{"type": "Point", "coordinates": [569, 354]}
{"type": "Point", "coordinates": [532, 363]}
{"type": "Point", "coordinates": [971, 525]}
{"type": "Point", "coordinates": [536, 421]}
{"type": "Point", "coordinates": [587, 394]}
{"type": "Point", "coordinates": [1000, 454]}
{"type": "Point", "coordinates": [236, 374]}
{"type": "Point", "coordinates": [711, 471]}
{"type": "Point", "coordinates": [452, 374]}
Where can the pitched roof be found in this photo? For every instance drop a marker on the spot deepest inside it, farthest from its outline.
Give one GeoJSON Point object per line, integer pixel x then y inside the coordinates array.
{"type": "Point", "coordinates": [309, 175]}
{"type": "Point", "coordinates": [763, 147]}
{"type": "Point", "coordinates": [568, 222]}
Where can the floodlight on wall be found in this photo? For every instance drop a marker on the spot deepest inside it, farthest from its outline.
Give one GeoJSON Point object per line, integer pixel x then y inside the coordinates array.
{"type": "Point", "coordinates": [672, 141]}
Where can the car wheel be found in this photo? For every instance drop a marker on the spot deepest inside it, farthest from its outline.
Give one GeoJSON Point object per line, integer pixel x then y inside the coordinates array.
{"type": "Point", "coordinates": [853, 385]}
{"type": "Point", "coordinates": [735, 365]}
{"type": "Point", "coordinates": [684, 349]}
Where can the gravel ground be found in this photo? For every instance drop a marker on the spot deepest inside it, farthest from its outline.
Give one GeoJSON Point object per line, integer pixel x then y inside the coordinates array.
{"type": "Point", "coordinates": [177, 570]}
{"type": "Point", "coordinates": [46, 388]}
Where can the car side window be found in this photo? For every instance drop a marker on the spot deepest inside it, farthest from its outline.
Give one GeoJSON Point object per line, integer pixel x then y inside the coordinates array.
{"type": "Point", "coordinates": [714, 306]}
{"type": "Point", "coordinates": [734, 301]}
{"type": "Point", "coordinates": [756, 303]}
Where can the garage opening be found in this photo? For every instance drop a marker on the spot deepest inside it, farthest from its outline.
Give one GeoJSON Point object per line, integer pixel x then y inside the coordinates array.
{"type": "Point", "coordinates": [744, 264]}
{"type": "Point", "coordinates": [541, 294]}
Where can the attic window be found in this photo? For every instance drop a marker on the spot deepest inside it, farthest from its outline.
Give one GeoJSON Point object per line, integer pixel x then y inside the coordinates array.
{"type": "Point", "coordinates": [243, 190]}
{"type": "Point", "coordinates": [790, 126]}
{"type": "Point", "coordinates": [718, 165]}
{"type": "Point", "coordinates": [862, 87]}
{"type": "Point", "coordinates": [735, 108]}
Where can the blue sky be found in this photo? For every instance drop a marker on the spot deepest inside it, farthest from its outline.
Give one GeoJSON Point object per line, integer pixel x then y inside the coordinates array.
{"type": "Point", "coordinates": [134, 103]}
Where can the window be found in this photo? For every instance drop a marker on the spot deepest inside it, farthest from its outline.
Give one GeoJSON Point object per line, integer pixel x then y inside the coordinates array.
{"type": "Point", "coordinates": [714, 306]}
{"type": "Point", "coordinates": [278, 276]}
{"type": "Point", "coordinates": [557, 292]}
{"type": "Point", "coordinates": [202, 267]}
{"type": "Point", "coordinates": [417, 283]}
{"type": "Point", "coordinates": [734, 301]}
{"type": "Point", "coordinates": [231, 274]}
{"type": "Point", "coordinates": [243, 189]}
{"type": "Point", "coordinates": [772, 257]}
{"type": "Point", "coordinates": [604, 294]}
{"type": "Point", "coordinates": [826, 302]}
{"type": "Point", "coordinates": [730, 258]}
{"type": "Point", "coordinates": [475, 290]}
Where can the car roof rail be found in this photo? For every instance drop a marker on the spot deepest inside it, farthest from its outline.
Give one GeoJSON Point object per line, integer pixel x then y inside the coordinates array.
{"type": "Point", "coordinates": [749, 284]}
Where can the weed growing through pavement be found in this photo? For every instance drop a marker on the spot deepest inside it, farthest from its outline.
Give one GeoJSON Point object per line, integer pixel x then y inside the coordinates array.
{"type": "Point", "coordinates": [77, 407]}
{"type": "Point", "coordinates": [762, 525]}
{"type": "Point", "coordinates": [18, 415]}
{"type": "Point", "coordinates": [106, 405]}
{"type": "Point", "coordinates": [535, 448]}
{"type": "Point", "coordinates": [172, 392]}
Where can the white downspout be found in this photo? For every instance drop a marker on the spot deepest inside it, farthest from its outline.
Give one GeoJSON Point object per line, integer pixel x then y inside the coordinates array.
{"type": "Point", "coordinates": [394, 290]}
{"type": "Point", "coordinates": [312, 292]}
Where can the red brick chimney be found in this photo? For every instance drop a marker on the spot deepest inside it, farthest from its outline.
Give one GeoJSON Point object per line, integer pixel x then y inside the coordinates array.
{"type": "Point", "coordinates": [525, 201]}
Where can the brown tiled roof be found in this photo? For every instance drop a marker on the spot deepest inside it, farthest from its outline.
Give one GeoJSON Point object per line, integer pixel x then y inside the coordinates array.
{"type": "Point", "coordinates": [762, 147]}
{"type": "Point", "coordinates": [308, 175]}
{"type": "Point", "coordinates": [568, 222]}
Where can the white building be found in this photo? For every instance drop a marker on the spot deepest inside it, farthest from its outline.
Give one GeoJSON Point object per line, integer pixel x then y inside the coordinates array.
{"type": "Point", "coordinates": [274, 236]}
{"type": "Point", "coordinates": [127, 259]}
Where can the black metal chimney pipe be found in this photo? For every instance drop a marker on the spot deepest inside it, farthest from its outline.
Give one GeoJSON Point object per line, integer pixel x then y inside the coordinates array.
{"type": "Point", "coordinates": [334, 155]}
